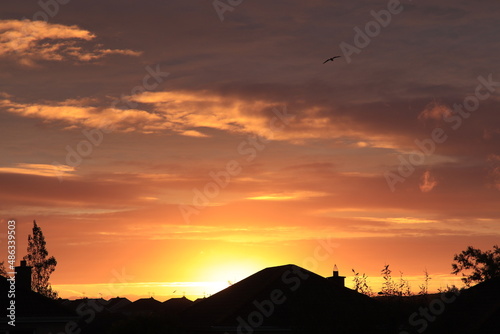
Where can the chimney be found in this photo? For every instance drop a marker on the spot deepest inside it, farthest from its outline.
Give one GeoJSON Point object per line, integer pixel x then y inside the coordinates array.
{"type": "Point", "coordinates": [336, 278]}
{"type": "Point", "coordinates": [23, 277]}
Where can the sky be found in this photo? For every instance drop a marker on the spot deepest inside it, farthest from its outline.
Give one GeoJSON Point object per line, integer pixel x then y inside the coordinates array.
{"type": "Point", "coordinates": [176, 147]}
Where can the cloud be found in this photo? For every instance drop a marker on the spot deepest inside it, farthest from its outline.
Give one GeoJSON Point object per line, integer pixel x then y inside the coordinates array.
{"type": "Point", "coordinates": [81, 113]}
{"type": "Point", "coordinates": [37, 169]}
{"type": "Point", "coordinates": [185, 110]}
{"type": "Point", "coordinates": [427, 182]}
{"type": "Point", "coordinates": [196, 113]}
{"type": "Point", "coordinates": [435, 111]}
{"type": "Point", "coordinates": [180, 112]}
{"type": "Point", "coordinates": [267, 116]}
{"type": "Point", "coordinates": [284, 196]}
{"type": "Point", "coordinates": [399, 220]}
{"type": "Point", "coordinates": [29, 42]}
{"type": "Point", "coordinates": [194, 133]}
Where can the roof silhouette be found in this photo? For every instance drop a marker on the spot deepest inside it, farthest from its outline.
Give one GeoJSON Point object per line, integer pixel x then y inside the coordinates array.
{"type": "Point", "coordinates": [143, 305]}
{"type": "Point", "coordinates": [115, 304]}
{"type": "Point", "coordinates": [176, 305]}
{"type": "Point", "coordinates": [306, 300]}
{"type": "Point", "coordinates": [476, 310]}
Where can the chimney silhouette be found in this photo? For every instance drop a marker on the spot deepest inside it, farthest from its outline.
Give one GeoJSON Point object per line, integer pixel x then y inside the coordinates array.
{"type": "Point", "coordinates": [336, 278]}
{"type": "Point", "coordinates": [23, 277]}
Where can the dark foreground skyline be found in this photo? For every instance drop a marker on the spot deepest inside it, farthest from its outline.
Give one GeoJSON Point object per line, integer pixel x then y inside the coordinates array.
{"type": "Point", "coordinates": [279, 299]}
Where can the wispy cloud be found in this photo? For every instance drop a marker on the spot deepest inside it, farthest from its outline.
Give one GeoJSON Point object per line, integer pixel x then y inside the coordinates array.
{"type": "Point", "coordinates": [284, 196]}
{"type": "Point", "coordinates": [400, 220]}
{"type": "Point", "coordinates": [36, 169]}
{"type": "Point", "coordinates": [81, 113]}
{"type": "Point", "coordinates": [179, 112]}
{"type": "Point", "coordinates": [427, 182]}
{"type": "Point", "coordinates": [187, 110]}
{"type": "Point", "coordinates": [29, 42]}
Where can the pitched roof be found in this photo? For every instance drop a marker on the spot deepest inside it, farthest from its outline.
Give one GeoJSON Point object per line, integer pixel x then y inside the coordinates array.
{"type": "Point", "coordinates": [475, 310]}
{"type": "Point", "coordinates": [115, 304]}
{"type": "Point", "coordinates": [176, 305]}
{"type": "Point", "coordinates": [285, 297]}
{"type": "Point", "coordinates": [143, 305]}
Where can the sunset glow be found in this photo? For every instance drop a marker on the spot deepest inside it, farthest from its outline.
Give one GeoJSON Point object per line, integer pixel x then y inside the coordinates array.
{"type": "Point", "coordinates": [189, 152]}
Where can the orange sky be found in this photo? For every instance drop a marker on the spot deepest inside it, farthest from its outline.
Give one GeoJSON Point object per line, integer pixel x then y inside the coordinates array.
{"type": "Point", "coordinates": [154, 139]}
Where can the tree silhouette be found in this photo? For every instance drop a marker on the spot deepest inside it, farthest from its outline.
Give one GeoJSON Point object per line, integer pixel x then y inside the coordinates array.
{"type": "Point", "coordinates": [42, 265]}
{"type": "Point", "coordinates": [481, 265]}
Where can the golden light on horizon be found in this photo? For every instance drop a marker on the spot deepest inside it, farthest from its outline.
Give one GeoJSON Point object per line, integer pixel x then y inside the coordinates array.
{"type": "Point", "coordinates": [271, 197]}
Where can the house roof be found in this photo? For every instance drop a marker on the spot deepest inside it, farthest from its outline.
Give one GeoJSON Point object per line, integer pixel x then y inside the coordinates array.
{"type": "Point", "coordinates": [143, 305]}
{"type": "Point", "coordinates": [475, 310]}
{"type": "Point", "coordinates": [176, 305]}
{"type": "Point", "coordinates": [115, 304]}
{"type": "Point", "coordinates": [287, 297]}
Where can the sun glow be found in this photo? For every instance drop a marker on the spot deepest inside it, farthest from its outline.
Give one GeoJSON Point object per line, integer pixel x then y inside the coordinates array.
{"type": "Point", "coordinates": [231, 272]}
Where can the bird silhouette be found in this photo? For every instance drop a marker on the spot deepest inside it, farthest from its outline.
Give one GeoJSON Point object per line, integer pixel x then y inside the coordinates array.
{"type": "Point", "coordinates": [331, 59]}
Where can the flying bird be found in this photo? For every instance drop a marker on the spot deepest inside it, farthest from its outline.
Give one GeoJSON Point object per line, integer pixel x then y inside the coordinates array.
{"type": "Point", "coordinates": [331, 59]}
